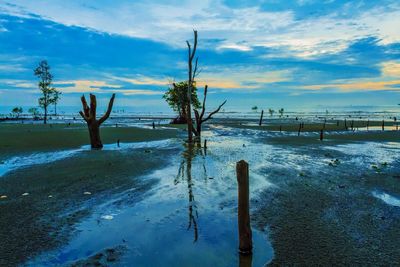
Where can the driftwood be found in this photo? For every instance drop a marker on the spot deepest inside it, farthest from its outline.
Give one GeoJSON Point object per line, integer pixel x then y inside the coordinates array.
{"type": "Point", "coordinates": [89, 115]}
{"type": "Point", "coordinates": [200, 116]}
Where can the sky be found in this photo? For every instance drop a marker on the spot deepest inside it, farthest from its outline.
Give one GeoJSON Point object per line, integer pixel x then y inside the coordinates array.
{"type": "Point", "coordinates": [294, 54]}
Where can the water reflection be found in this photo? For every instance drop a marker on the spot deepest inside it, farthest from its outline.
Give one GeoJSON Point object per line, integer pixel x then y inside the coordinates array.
{"type": "Point", "coordinates": [185, 175]}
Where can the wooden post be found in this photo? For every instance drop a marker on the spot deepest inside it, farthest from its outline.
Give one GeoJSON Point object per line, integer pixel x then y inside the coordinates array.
{"type": "Point", "coordinates": [345, 124]}
{"type": "Point", "coordinates": [321, 135]}
{"type": "Point", "coordinates": [280, 128]}
{"type": "Point", "coordinates": [154, 126]}
{"type": "Point", "coordinates": [262, 114]}
{"type": "Point", "coordinates": [367, 125]}
{"type": "Point", "coordinates": [245, 235]}
{"type": "Point", "coordinates": [298, 134]}
{"type": "Point", "coordinates": [118, 142]}
{"type": "Point", "coordinates": [245, 260]}
{"type": "Point", "coordinates": [383, 125]}
{"type": "Point", "coordinates": [337, 123]}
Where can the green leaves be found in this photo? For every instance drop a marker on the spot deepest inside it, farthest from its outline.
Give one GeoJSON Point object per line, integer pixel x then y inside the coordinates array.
{"type": "Point", "coordinates": [176, 97]}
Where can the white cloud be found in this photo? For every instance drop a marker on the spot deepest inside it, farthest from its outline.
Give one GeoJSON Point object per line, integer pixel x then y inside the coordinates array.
{"type": "Point", "coordinates": [240, 28]}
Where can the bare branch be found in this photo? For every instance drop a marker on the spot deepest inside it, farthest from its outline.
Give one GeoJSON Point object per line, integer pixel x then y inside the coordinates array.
{"type": "Point", "coordinates": [204, 102]}
{"type": "Point", "coordinates": [93, 106]}
{"type": "Point", "coordinates": [214, 112]}
{"type": "Point", "coordinates": [83, 116]}
{"type": "Point", "coordinates": [85, 106]}
{"type": "Point", "coordinates": [195, 69]}
{"type": "Point", "coordinates": [194, 45]}
{"type": "Point", "coordinates": [189, 49]}
{"type": "Point", "coordinates": [107, 114]}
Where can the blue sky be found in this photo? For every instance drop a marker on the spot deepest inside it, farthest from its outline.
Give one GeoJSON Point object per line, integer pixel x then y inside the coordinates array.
{"type": "Point", "coordinates": [294, 54]}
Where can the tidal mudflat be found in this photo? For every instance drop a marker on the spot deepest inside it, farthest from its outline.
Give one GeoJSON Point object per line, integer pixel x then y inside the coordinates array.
{"type": "Point", "coordinates": [154, 201]}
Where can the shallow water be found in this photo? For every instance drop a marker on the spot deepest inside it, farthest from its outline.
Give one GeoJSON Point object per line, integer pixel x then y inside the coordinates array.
{"type": "Point", "coordinates": [188, 219]}
{"type": "Point", "coordinates": [26, 160]}
{"type": "Point", "coordinates": [387, 198]}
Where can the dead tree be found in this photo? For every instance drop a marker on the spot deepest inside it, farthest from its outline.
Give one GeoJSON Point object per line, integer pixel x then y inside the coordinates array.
{"type": "Point", "coordinates": [200, 116]}
{"type": "Point", "coordinates": [89, 115]}
{"type": "Point", "coordinates": [191, 76]}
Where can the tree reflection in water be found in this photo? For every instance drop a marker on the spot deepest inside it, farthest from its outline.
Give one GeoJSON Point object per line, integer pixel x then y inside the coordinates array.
{"type": "Point", "coordinates": [185, 175]}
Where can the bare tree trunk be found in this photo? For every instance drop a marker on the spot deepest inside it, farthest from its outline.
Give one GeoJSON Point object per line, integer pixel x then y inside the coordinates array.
{"type": "Point", "coordinates": [89, 115]}
{"type": "Point", "coordinates": [45, 115]}
{"type": "Point", "coordinates": [191, 76]}
{"type": "Point", "coordinates": [94, 133]}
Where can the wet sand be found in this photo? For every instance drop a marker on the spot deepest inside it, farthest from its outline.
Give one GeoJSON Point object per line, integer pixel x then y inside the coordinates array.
{"type": "Point", "coordinates": [318, 203]}
{"type": "Point", "coordinates": [63, 192]}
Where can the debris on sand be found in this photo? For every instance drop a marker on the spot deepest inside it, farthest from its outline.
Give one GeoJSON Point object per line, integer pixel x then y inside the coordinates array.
{"type": "Point", "coordinates": [107, 217]}
{"type": "Point", "coordinates": [87, 193]}
{"type": "Point", "coordinates": [25, 194]}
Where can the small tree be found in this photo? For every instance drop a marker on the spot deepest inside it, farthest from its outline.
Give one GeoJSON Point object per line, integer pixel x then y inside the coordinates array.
{"type": "Point", "coordinates": [254, 108]}
{"type": "Point", "coordinates": [35, 113]}
{"type": "Point", "coordinates": [176, 97]}
{"type": "Point", "coordinates": [200, 116]}
{"type": "Point", "coordinates": [271, 112]}
{"type": "Point", "coordinates": [89, 115]}
{"type": "Point", "coordinates": [48, 92]}
{"type": "Point", "coordinates": [17, 111]}
{"type": "Point", "coordinates": [281, 111]}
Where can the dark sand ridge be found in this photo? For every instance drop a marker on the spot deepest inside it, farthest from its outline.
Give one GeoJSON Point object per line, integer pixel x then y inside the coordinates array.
{"type": "Point", "coordinates": [20, 138]}
{"type": "Point", "coordinates": [36, 222]}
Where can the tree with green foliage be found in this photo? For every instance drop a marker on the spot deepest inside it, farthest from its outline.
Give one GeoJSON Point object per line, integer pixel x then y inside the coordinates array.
{"type": "Point", "coordinates": [17, 111]}
{"type": "Point", "coordinates": [35, 113]}
{"type": "Point", "coordinates": [271, 112]}
{"type": "Point", "coordinates": [281, 111]}
{"type": "Point", "coordinates": [176, 97]}
{"type": "Point", "coordinates": [255, 108]}
{"type": "Point", "coordinates": [50, 95]}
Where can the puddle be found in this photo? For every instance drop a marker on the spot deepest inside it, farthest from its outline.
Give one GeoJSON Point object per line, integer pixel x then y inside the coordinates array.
{"type": "Point", "coordinates": [387, 198]}
{"type": "Point", "coordinates": [188, 219]}
{"type": "Point", "coordinates": [370, 152]}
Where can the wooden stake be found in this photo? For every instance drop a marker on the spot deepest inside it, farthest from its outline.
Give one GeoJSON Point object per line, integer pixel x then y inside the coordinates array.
{"type": "Point", "coordinates": [154, 126]}
{"type": "Point", "coordinates": [298, 134]}
{"type": "Point", "coordinates": [321, 135]}
{"type": "Point", "coordinates": [262, 114]}
{"type": "Point", "coordinates": [245, 234]}
{"type": "Point", "coordinates": [383, 125]}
